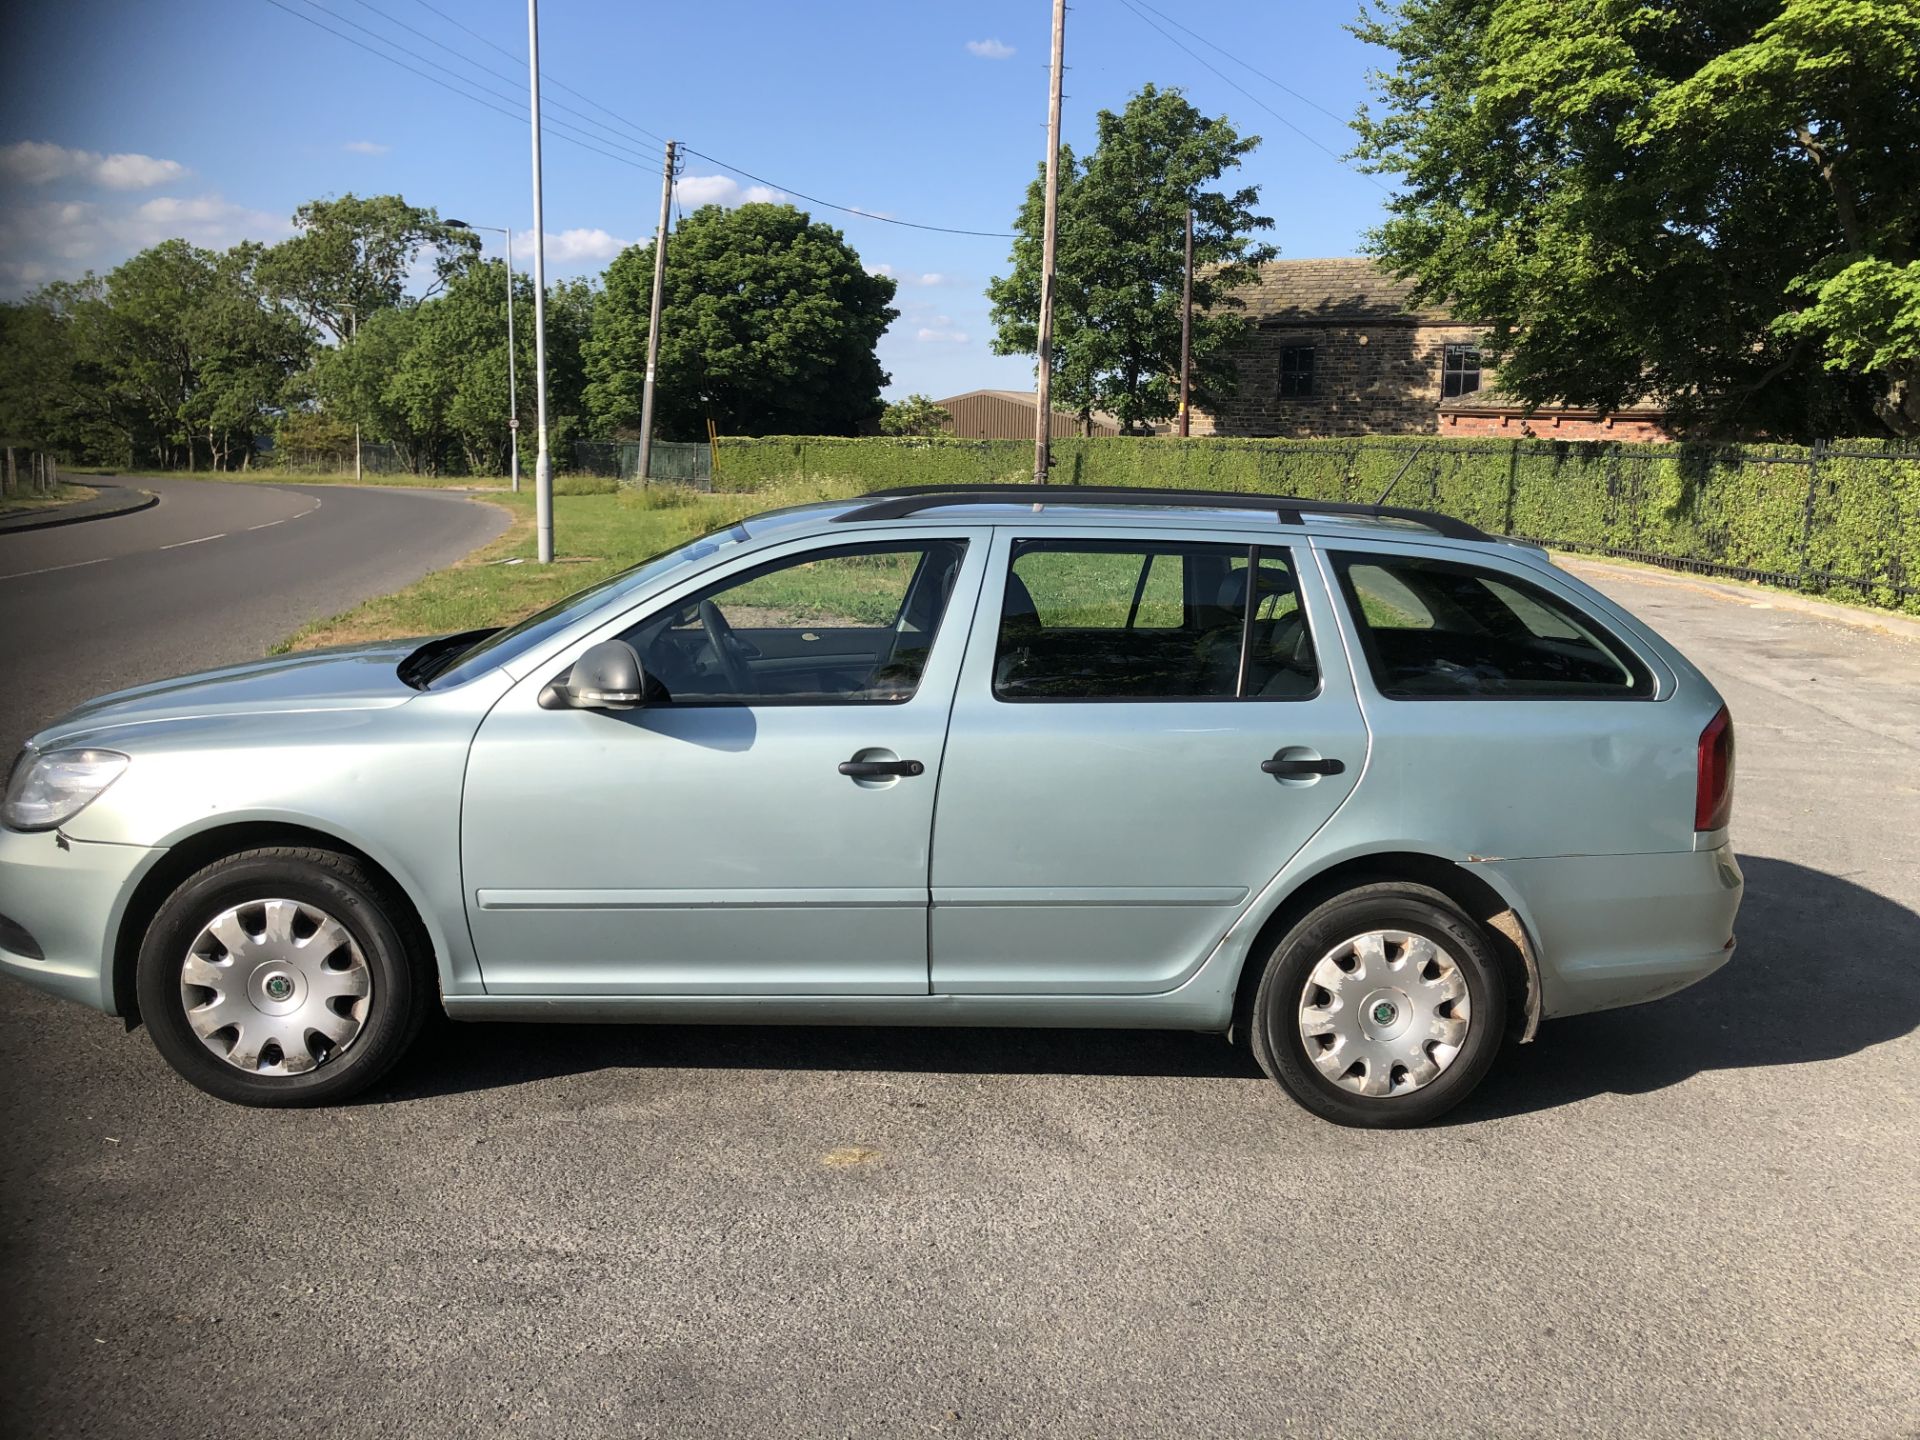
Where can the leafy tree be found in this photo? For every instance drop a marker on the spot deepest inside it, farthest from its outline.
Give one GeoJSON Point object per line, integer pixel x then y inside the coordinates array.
{"type": "Point", "coordinates": [915, 415]}
{"type": "Point", "coordinates": [768, 327]}
{"type": "Point", "coordinates": [45, 400]}
{"type": "Point", "coordinates": [170, 358]}
{"type": "Point", "coordinates": [1712, 202]}
{"type": "Point", "coordinates": [353, 256]}
{"type": "Point", "coordinates": [1120, 261]}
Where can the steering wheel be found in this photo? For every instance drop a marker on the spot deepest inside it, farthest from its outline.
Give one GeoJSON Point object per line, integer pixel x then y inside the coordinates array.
{"type": "Point", "coordinates": [726, 649]}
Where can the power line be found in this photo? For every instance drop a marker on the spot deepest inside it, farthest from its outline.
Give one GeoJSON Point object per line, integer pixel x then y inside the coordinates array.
{"type": "Point", "coordinates": [1278, 85]}
{"type": "Point", "coordinates": [562, 129]}
{"type": "Point", "coordinates": [617, 138]}
{"type": "Point", "coordinates": [1174, 40]}
{"type": "Point", "coordinates": [551, 80]}
{"type": "Point", "coordinates": [848, 209]}
{"type": "Point", "coordinates": [436, 79]}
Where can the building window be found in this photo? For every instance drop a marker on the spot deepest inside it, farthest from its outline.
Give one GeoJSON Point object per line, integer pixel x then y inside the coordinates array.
{"type": "Point", "coordinates": [1460, 373]}
{"type": "Point", "coordinates": [1296, 370]}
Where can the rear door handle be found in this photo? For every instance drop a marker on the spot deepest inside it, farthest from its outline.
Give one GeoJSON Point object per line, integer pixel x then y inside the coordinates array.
{"type": "Point", "coordinates": [880, 769]}
{"type": "Point", "coordinates": [1277, 766]}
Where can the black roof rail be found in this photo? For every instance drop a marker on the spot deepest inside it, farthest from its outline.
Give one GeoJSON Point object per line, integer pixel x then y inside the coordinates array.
{"type": "Point", "coordinates": [903, 500]}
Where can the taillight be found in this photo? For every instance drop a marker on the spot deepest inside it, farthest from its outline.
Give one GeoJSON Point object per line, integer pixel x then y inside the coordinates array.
{"type": "Point", "coordinates": [1713, 792]}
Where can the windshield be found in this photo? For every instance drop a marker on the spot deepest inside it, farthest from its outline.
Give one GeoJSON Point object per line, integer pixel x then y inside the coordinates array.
{"type": "Point", "coordinates": [502, 646]}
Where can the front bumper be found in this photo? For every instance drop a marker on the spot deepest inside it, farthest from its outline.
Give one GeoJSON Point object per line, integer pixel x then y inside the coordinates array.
{"type": "Point", "coordinates": [68, 896]}
{"type": "Point", "coordinates": [1617, 930]}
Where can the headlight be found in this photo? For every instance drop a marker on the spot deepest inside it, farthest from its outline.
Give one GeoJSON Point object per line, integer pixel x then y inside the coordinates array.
{"type": "Point", "coordinates": [50, 789]}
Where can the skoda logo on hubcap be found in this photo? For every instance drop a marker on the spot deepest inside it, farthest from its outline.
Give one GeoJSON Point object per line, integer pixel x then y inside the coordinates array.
{"type": "Point", "coordinates": [1383, 1013]}
{"type": "Point", "coordinates": [279, 987]}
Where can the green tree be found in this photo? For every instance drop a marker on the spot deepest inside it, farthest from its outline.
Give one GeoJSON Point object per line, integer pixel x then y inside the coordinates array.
{"type": "Point", "coordinates": [915, 415]}
{"type": "Point", "coordinates": [769, 326]}
{"type": "Point", "coordinates": [353, 256]}
{"type": "Point", "coordinates": [1120, 264]}
{"type": "Point", "coordinates": [1711, 202]}
{"type": "Point", "coordinates": [173, 357]}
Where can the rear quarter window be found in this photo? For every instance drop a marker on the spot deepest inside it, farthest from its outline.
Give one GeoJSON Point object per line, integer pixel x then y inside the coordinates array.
{"type": "Point", "coordinates": [1438, 630]}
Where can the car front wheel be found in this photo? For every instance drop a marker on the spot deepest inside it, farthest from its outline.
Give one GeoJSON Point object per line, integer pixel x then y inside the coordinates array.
{"type": "Point", "coordinates": [281, 977]}
{"type": "Point", "coordinates": [1382, 1007]}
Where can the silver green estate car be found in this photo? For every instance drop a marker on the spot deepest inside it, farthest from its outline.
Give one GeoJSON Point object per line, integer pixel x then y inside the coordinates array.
{"type": "Point", "coordinates": [1359, 785]}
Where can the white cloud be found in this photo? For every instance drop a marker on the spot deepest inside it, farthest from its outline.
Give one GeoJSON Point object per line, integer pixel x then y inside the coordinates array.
{"type": "Point", "coordinates": [927, 278]}
{"type": "Point", "coordinates": [940, 335]}
{"type": "Point", "coordinates": [35, 162]}
{"type": "Point", "coordinates": [61, 238]}
{"type": "Point", "coordinates": [990, 49]}
{"type": "Point", "coordinates": [365, 147]}
{"type": "Point", "coordinates": [576, 247]}
{"type": "Point", "coordinates": [697, 190]}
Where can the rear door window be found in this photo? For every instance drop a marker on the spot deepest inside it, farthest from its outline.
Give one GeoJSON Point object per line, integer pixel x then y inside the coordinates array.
{"type": "Point", "coordinates": [1126, 620]}
{"type": "Point", "coordinates": [1437, 629]}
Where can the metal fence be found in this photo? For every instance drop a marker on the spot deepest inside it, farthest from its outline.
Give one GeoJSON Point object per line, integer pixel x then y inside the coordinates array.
{"type": "Point", "coordinates": [676, 462]}
{"type": "Point", "coordinates": [376, 458]}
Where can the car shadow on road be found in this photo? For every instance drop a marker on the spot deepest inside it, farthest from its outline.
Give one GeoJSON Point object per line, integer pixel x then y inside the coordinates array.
{"type": "Point", "coordinates": [1825, 968]}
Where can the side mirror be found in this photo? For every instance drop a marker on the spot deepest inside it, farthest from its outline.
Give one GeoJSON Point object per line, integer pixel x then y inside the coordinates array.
{"type": "Point", "coordinates": [607, 677]}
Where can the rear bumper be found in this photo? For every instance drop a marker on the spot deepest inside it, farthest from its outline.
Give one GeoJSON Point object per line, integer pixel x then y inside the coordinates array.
{"type": "Point", "coordinates": [1617, 930]}
{"type": "Point", "coordinates": [65, 899]}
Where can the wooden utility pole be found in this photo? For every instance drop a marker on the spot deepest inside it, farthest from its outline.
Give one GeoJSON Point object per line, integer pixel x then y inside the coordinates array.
{"type": "Point", "coordinates": [1186, 332]}
{"type": "Point", "coordinates": [653, 317]}
{"type": "Point", "coordinates": [1043, 349]}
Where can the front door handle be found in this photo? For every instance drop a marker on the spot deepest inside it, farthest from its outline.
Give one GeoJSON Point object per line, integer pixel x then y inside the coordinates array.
{"type": "Point", "coordinates": [1277, 766]}
{"type": "Point", "coordinates": [880, 769]}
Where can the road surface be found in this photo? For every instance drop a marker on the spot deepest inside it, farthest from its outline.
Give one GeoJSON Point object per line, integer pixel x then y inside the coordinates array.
{"type": "Point", "coordinates": [212, 574]}
{"type": "Point", "coordinates": [1691, 1218]}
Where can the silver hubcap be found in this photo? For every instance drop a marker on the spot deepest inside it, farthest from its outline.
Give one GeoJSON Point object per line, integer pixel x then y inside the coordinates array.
{"type": "Point", "coordinates": [275, 987]}
{"type": "Point", "coordinates": [1384, 1013]}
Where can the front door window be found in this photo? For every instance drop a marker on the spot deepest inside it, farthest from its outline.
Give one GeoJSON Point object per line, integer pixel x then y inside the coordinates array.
{"type": "Point", "coordinates": [848, 626]}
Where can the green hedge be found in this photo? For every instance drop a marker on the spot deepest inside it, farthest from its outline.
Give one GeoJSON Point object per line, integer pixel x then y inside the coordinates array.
{"type": "Point", "coordinates": [1843, 519]}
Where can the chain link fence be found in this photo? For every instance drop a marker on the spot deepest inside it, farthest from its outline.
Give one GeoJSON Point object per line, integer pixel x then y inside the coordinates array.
{"type": "Point", "coordinates": [675, 462]}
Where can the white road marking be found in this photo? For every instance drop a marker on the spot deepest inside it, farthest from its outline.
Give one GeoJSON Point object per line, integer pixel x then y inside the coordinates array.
{"type": "Point", "coordinates": [285, 518]}
{"type": "Point", "coordinates": [201, 541]}
{"type": "Point", "coordinates": [74, 565]}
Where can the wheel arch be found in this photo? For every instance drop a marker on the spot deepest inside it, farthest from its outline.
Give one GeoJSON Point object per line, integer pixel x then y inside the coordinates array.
{"type": "Point", "coordinates": [1494, 912]}
{"type": "Point", "coordinates": [194, 851]}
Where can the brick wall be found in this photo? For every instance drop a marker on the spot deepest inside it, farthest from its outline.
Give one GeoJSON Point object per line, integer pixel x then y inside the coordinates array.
{"type": "Point", "coordinates": [1555, 425]}
{"type": "Point", "coordinates": [1379, 378]}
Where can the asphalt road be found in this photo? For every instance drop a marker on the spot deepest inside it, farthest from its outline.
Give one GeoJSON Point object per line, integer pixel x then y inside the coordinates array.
{"type": "Point", "coordinates": [1692, 1218]}
{"type": "Point", "coordinates": [212, 574]}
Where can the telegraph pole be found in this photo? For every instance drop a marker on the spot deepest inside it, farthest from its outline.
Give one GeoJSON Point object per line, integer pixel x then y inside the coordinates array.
{"type": "Point", "coordinates": [1043, 375]}
{"type": "Point", "coordinates": [653, 316]}
{"type": "Point", "coordinates": [543, 463]}
{"type": "Point", "coordinates": [1186, 331]}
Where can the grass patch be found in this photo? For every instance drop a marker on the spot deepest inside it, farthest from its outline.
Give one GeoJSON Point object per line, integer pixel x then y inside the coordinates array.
{"type": "Point", "coordinates": [59, 495]}
{"type": "Point", "coordinates": [595, 535]}
{"type": "Point", "coordinates": [401, 481]}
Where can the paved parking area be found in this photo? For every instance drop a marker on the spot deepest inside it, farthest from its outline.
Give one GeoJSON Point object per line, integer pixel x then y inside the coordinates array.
{"type": "Point", "coordinates": [1696, 1218]}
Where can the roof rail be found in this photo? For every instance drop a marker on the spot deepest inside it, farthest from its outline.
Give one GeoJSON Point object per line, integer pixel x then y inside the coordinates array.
{"type": "Point", "coordinates": [900, 501]}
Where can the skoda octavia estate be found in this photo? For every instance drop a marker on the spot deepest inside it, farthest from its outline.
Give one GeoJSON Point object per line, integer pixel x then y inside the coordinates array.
{"type": "Point", "coordinates": [1361, 786]}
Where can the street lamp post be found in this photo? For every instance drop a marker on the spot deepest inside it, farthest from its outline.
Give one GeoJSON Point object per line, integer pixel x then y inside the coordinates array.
{"type": "Point", "coordinates": [543, 462]}
{"type": "Point", "coordinates": [513, 389]}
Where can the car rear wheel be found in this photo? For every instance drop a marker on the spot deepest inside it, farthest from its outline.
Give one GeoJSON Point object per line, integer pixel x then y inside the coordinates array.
{"type": "Point", "coordinates": [1382, 1007]}
{"type": "Point", "coordinates": [284, 976]}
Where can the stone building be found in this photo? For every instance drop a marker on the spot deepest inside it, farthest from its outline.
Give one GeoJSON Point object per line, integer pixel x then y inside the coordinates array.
{"type": "Point", "coordinates": [1337, 349]}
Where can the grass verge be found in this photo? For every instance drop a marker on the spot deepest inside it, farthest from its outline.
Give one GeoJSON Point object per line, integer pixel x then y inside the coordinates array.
{"type": "Point", "coordinates": [595, 535]}
{"type": "Point", "coordinates": [60, 495]}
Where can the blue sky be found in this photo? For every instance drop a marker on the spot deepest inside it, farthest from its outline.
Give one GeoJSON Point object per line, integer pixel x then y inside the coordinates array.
{"type": "Point", "coordinates": [124, 123]}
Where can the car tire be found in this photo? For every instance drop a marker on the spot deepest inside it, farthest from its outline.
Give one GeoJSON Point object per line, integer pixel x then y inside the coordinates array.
{"type": "Point", "coordinates": [327, 978]}
{"type": "Point", "coordinates": [1397, 982]}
